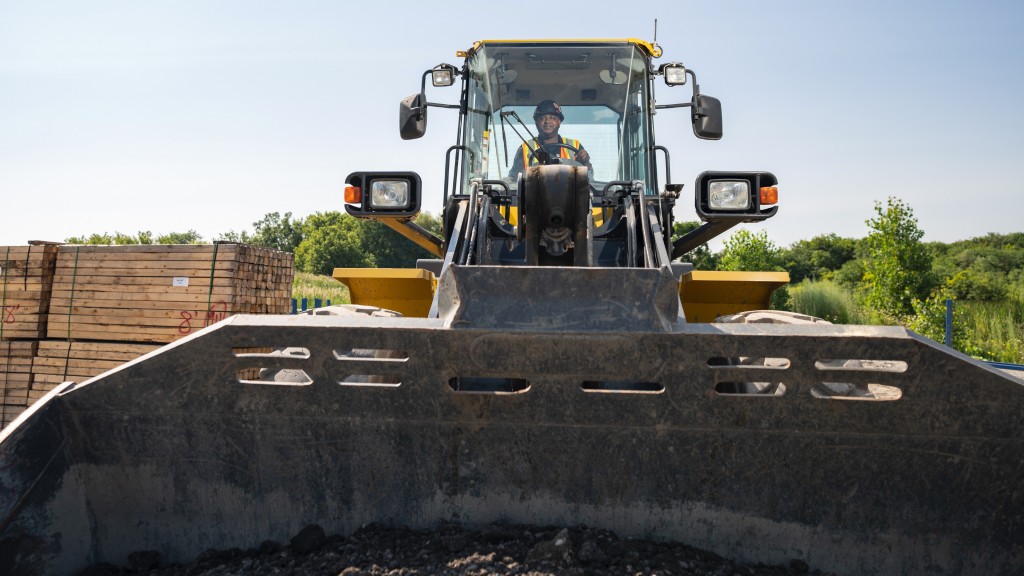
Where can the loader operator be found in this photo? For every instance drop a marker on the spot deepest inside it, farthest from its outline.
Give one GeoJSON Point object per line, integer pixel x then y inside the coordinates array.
{"type": "Point", "coordinates": [548, 117]}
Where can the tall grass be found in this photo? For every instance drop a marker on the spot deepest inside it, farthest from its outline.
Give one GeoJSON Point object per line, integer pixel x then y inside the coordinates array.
{"type": "Point", "coordinates": [313, 286]}
{"type": "Point", "coordinates": [827, 300]}
{"type": "Point", "coordinates": [998, 328]}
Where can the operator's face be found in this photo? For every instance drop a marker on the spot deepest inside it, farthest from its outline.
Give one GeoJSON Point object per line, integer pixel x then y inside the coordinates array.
{"type": "Point", "coordinates": [547, 125]}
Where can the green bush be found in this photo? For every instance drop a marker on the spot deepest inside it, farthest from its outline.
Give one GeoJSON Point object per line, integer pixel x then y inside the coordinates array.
{"type": "Point", "coordinates": [819, 257]}
{"type": "Point", "coordinates": [929, 318]}
{"type": "Point", "coordinates": [750, 251]}
{"type": "Point", "coordinates": [850, 274]}
{"type": "Point", "coordinates": [897, 266]}
{"type": "Point", "coordinates": [334, 243]}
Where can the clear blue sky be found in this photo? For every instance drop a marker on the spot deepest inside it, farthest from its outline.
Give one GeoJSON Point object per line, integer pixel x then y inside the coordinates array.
{"type": "Point", "coordinates": [202, 114]}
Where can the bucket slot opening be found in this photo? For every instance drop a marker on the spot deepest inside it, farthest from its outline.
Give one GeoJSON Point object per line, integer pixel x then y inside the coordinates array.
{"type": "Point", "coordinates": [272, 373]}
{"type": "Point", "coordinates": [759, 389]}
{"type": "Point", "coordinates": [622, 387]}
{"type": "Point", "coordinates": [372, 380]}
{"type": "Point", "coordinates": [268, 376]}
{"type": "Point", "coordinates": [371, 355]}
{"type": "Point", "coordinates": [855, 391]}
{"type": "Point", "coordinates": [874, 392]}
{"type": "Point", "coordinates": [482, 385]}
{"type": "Point", "coordinates": [894, 366]}
{"type": "Point", "coordinates": [364, 366]}
{"type": "Point", "coordinates": [271, 352]}
{"type": "Point", "coordinates": [748, 362]}
{"type": "Point", "coordinates": [734, 385]}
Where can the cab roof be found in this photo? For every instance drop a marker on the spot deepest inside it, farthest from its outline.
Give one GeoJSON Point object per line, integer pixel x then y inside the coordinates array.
{"type": "Point", "coordinates": [650, 48]}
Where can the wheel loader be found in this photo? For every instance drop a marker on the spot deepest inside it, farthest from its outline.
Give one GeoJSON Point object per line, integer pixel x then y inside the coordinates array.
{"type": "Point", "coordinates": [556, 363]}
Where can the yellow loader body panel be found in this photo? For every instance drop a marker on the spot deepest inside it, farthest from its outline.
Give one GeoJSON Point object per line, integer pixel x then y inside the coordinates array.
{"type": "Point", "coordinates": [705, 295]}
{"type": "Point", "coordinates": [405, 290]}
{"type": "Point", "coordinates": [708, 294]}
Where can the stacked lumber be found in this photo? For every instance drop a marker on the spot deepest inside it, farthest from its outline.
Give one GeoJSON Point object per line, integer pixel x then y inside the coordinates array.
{"type": "Point", "coordinates": [15, 378]}
{"type": "Point", "coordinates": [62, 361]}
{"type": "Point", "coordinates": [26, 277]}
{"type": "Point", "coordinates": [160, 293]}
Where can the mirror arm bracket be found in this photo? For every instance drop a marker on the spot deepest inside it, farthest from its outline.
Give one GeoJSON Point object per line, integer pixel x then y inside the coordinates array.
{"type": "Point", "coordinates": [680, 105]}
{"type": "Point", "coordinates": [423, 96]}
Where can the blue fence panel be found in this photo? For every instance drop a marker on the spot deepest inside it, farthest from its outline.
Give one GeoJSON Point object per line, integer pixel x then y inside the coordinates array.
{"type": "Point", "coordinates": [303, 305]}
{"type": "Point", "coordinates": [1006, 366]}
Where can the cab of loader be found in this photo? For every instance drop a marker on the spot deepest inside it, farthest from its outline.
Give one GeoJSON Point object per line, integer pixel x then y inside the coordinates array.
{"type": "Point", "coordinates": [553, 210]}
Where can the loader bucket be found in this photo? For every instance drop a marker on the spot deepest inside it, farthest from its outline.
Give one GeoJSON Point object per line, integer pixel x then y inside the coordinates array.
{"type": "Point", "coordinates": [860, 450]}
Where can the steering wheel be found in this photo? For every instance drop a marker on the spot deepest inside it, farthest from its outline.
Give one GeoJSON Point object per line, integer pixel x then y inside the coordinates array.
{"type": "Point", "coordinates": [568, 161]}
{"type": "Point", "coordinates": [572, 161]}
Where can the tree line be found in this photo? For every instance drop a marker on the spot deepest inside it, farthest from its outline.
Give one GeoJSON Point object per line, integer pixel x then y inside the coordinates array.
{"type": "Point", "coordinates": [320, 242]}
{"type": "Point", "coordinates": [891, 276]}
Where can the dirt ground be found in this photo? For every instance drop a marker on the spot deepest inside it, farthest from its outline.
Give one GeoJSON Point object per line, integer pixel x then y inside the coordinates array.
{"type": "Point", "coordinates": [451, 550]}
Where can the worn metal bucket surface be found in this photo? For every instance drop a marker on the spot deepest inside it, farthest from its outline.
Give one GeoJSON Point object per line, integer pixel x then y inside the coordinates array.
{"type": "Point", "coordinates": [629, 431]}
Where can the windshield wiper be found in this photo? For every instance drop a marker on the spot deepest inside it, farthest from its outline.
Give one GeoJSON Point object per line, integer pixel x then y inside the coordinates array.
{"type": "Point", "coordinates": [542, 156]}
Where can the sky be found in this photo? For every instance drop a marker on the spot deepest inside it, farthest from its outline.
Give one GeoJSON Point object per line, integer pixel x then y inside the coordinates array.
{"type": "Point", "coordinates": [206, 115]}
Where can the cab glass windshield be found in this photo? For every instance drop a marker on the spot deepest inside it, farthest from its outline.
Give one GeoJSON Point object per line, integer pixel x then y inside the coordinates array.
{"type": "Point", "coordinates": [599, 91]}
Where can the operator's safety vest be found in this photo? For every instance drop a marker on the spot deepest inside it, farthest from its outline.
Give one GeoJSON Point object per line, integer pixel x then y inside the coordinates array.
{"type": "Point", "coordinates": [529, 159]}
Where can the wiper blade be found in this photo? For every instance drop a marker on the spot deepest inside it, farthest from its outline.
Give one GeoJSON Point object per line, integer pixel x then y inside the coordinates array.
{"type": "Point", "coordinates": [539, 153]}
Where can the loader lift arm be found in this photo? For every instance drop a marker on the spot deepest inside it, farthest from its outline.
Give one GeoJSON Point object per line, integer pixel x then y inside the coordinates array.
{"type": "Point", "coordinates": [393, 199]}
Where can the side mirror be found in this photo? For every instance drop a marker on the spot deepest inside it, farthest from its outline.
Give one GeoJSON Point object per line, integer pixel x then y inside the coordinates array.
{"type": "Point", "coordinates": [706, 116]}
{"type": "Point", "coordinates": [412, 117]}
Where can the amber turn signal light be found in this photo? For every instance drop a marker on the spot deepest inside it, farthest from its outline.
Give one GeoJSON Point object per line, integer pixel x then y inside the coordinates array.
{"type": "Point", "coordinates": [769, 195]}
{"type": "Point", "coordinates": [353, 194]}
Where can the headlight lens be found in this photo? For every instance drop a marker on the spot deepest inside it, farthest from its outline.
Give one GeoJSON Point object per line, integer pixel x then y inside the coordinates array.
{"type": "Point", "coordinates": [729, 195]}
{"type": "Point", "coordinates": [675, 74]}
{"type": "Point", "coordinates": [389, 194]}
{"type": "Point", "coordinates": [442, 75]}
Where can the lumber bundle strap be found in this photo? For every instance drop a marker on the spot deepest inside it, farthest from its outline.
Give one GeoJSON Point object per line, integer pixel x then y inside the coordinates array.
{"type": "Point", "coordinates": [3, 298]}
{"type": "Point", "coordinates": [71, 300]}
{"type": "Point", "coordinates": [213, 272]}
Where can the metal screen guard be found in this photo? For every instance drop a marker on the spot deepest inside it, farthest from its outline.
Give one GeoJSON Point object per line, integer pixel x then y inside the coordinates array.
{"type": "Point", "coordinates": [173, 453]}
